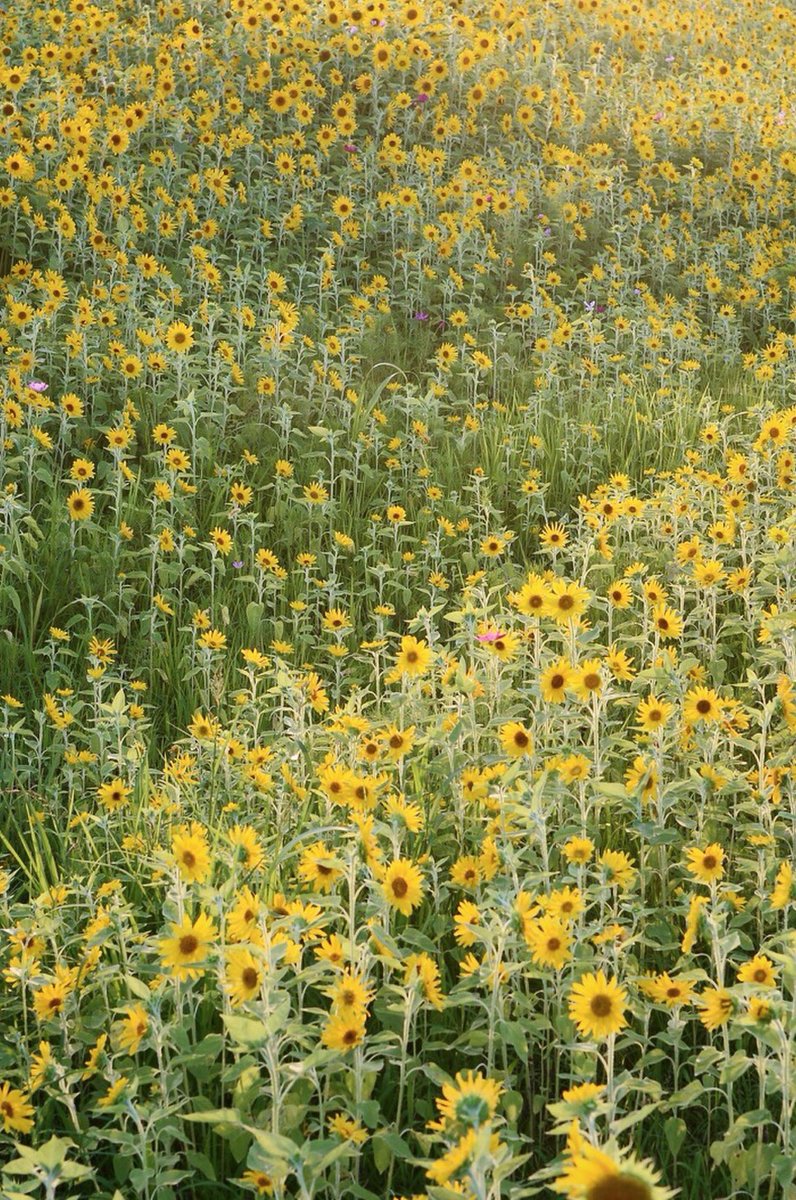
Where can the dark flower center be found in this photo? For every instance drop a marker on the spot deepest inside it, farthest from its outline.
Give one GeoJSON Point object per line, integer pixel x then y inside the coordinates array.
{"type": "Point", "coordinates": [601, 1005]}
{"type": "Point", "coordinates": [619, 1187]}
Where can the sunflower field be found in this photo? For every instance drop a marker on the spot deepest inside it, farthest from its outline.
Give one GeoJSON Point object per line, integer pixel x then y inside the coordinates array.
{"type": "Point", "coordinates": [398, 599]}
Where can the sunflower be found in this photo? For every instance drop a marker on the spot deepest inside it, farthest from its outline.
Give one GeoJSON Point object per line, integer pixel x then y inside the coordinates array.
{"type": "Point", "coordinates": [184, 952]}
{"type": "Point", "coordinates": [177, 460]}
{"type": "Point", "coordinates": [15, 1109]}
{"type": "Point", "coordinates": [574, 768]}
{"type": "Point", "coordinates": [133, 1029]}
{"type": "Point", "coordinates": [221, 540]}
{"type": "Point", "coordinates": [347, 1128]}
{"type": "Point", "coordinates": [332, 951]}
{"type": "Point", "coordinates": [472, 1099]}
{"type": "Point", "coordinates": [319, 868]}
{"type": "Point", "coordinates": [414, 657]}
{"type": "Point", "coordinates": [578, 850]}
{"type": "Point", "coordinates": [179, 337]}
{"type": "Point", "coordinates": [349, 995]}
{"type": "Point", "coordinates": [243, 975]}
{"type": "Point", "coordinates": [244, 839]}
{"type": "Point", "coordinates": [671, 992]}
{"type": "Point", "coordinates": [706, 865]}
{"type": "Point", "coordinates": [370, 750]}
{"type": "Point", "coordinates": [695, 906]}
{"type": "Point", "coordinates": [619, 869]}
{"type": "Point", "coordinates": [466, 921]}
{"type": "Point", "coordinates": [554, 681]}
{"type": "Point", "coordinates": [503, 646]}
{"type": "Point", "coordinates": [262, 1183]}
{"type": "Point", "coordinates": [398, 742]}
{"type": "Point", "coordinates": [82, 469]}
{"type": "Point", "coordinates": [549, 943]}
{"type": "Point", "coordinates": [336, 619]}
{"type": "Point", "coordinates": [597, 1006]}
{"type": "Point", "coordinates": [493, 546]}
{"type": "Point", "coordinates": [666, 621]}
{"type": "Point", "coordinates": [567, 601]}
{"type": "Point", "coordinates": [363, 794]}
{"type": "Point", "coordinates": [203, 728]}
{"type": "Point", "coordinates": [454, 1159]}
{"type": "Point", "coordinates": [708, 574]}
{"type": "Point", "coordinates": [782, 894]}
{"type": "Point", "coordinates": [191, 853]}
{"type": "Point", "coordinates": [717, 1007]}
{"type": "Point", "coordinates": [565, 903]}
{"type": "Point", "coordinates": [702, 704]}
{"type": "Point", "coordinates": [421, 968]}
{"type": "Point", "coordinates": [80, 504]}
{"type": "Point", "coordinates": [243, 921]}
{"type": "Point", "coordinates": [591, 1173]}
{"type": "Point", "coordinates": [587, 680]}
{"type": "Point", "coordinates": [344, 1032]}
{"type": "Point", "coordinates": [402, 886]}
{"type": "Point", "coordinates": [653, 713]}
{"type": "Point", "coordinates": [466, 872]}
{"type": "Point", "coordinates": [114, 794]}
{"type": "Point", "coordinates": [760, 971]}
{"type": "Point", "coordinates": [532, 599]}
{"type": "Point", "coordinates": [49, 1001]}
{"type": "Point", "coordinates": [620, 593]}
{"type": "Point", "coordinates": [554, 537]}
{"type": "Point", "coordinates": [642, 776]}
{"type": "Point", "coordinates": [516, 740]}
{"type": "Point", "coordinates": [620, 664]}
{"type": "Point", "coordinates": [42, 1067]}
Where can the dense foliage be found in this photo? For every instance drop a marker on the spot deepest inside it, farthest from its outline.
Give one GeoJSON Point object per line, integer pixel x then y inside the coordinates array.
{"type": "Point", "coordinates": [397, 599]}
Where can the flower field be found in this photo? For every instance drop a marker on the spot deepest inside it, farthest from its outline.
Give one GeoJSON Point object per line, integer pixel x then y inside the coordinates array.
{"type": "Point", "coordinates": [398, 600]}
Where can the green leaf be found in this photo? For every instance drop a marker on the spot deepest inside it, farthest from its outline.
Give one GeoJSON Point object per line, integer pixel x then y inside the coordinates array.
{"type": "Point", "coordinates": [735, 1068]}
{"type": "Point", "coordinates": [254, 615]}
{"type": "Point", "coordinates": [687, 1094]}
{"type": "Point", "coordinates": [215, 1116]}
{"type": "Point", "coordinates": [513, 1033]}
{"type": "Point", "coordinates": [202, 1164]}
{"type": "Point", "coordinates": [674, 1131]}
{"type": "Point", "coordinates": [247, 1031]}
{"type": "Point", "coordinates": [634, 1117]}
{"type": "Point", "coordinates": [276, 1147]}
